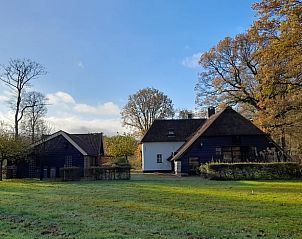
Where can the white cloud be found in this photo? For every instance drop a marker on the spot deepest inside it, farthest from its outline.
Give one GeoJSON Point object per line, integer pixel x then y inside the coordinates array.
{"type": "Point", "coordinates": [60, 97]}
{"type": "Point", "coordinates": [3, 98]}
{"type": "Point", "coordinates": [74, 124]}
{"type": "Point", "coordinates": [192, 61]}
{"type": "Point", "coordinates": [108, 108]}
{"type": "Point", "coordinates": [83, 108]}
{"type": "Point", "coordinates": [6, 116]}
{"type": "Point", "coordinates": [65, 113]}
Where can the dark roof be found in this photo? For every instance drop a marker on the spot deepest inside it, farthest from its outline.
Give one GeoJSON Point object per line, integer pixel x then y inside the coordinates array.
{"type": "Point", "coordinates": [230, 122]}
{"type": "Point", "coordinates": [227, 122]}
{"type": "Point", "coordinates": [87, 144]}
{"type": "Point", "coordinates": [180, 130]}
{"type": "Point", "coordinates": [91, 143]}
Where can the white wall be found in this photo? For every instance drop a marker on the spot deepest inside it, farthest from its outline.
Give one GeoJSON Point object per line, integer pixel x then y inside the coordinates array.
{"type": "Point", "coordinates": [150, 151]}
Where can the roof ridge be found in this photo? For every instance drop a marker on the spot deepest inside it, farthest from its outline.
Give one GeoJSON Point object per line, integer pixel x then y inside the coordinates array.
{"type": "Point", "coordinates": [178, 119]}
{"type": "Point", "coordinates": [183, 128]}
{"type": "Point", "coordinates": [197, 134]}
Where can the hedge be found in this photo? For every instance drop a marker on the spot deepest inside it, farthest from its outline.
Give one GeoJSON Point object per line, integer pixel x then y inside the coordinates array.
{"type": "Point", "coordinates": [242, 171]}
{"type": "Point", "coordinates": [121, 172]}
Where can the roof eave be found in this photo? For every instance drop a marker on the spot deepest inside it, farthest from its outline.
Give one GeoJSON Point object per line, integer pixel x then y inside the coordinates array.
{"type": "Point", "coordinates": [66, 136]}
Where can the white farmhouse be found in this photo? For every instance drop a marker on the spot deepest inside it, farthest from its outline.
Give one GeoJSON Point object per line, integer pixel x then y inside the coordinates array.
{"type": "Point", "coordinates": [163, 139]}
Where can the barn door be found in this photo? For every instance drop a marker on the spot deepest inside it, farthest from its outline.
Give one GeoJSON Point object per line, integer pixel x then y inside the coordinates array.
{"type": "Point", "coordinates": [194, 165]}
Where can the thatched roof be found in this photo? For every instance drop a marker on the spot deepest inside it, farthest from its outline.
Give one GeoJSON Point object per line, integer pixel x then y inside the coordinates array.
{"type": "Point", "coordinates": [173, 130]}
{"type": "Point", "coordinates": [228, 122]}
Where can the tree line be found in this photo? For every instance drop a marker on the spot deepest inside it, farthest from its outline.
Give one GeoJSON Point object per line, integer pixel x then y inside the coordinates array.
{"type": "Point", "coordinates": [29, 108]}
{"type": "Point", "coordinates": [259, 72]}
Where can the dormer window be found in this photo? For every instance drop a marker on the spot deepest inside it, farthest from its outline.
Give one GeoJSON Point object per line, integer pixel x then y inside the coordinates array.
{"type": "Point", "coordinates": [171, 133]}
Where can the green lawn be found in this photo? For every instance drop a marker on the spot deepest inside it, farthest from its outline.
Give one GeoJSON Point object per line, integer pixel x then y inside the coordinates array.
{"type": "Point", "coordinates": [151, 207]}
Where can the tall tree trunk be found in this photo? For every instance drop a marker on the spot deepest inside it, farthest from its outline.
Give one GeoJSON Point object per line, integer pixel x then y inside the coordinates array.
{"type": "Point", "coordinates": [17, 114]}
{"type": "Point", "coordinates": [16, 125]}
{"type": "Point", "coordinates": [33, 128]}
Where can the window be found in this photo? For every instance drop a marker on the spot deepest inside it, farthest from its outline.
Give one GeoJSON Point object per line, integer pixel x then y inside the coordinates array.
{"type": "Point", "coordinates": [68, 161]}
{"type": "Point", "coordinates": [227, 154]}
{"type": "Point", "coordinates": [171, 133]}
{"type": "Point", "coordinates": [233, 154]}
{"type": "Point", "coordinates": [159, 158]}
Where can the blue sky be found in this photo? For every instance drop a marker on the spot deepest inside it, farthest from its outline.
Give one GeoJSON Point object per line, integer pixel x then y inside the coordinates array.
{"type": "Point", "coordinates": [99, 52]}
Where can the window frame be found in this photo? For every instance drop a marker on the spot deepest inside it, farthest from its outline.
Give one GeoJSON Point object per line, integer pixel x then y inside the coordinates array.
{"type": "Point", "coordinates": [159, 158]}
{"type": "Point", "coordinates": [68, 163]}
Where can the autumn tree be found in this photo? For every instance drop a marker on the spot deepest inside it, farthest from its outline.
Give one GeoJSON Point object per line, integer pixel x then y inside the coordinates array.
{"type": "Point", "coordinates": [279, 33]}
{"type": "Point", "coordinates": [229, 73]}
{"type": "Point", "coordinates": [144, 107]}
{"type": "Point", "coordinates": [18, 76]}
{"type": "Point", "coordinates": [260, 71]}
{"type": "Point", "coordinates": [120, 146]}
{"type": "Point", "coordinates": [33, 122]}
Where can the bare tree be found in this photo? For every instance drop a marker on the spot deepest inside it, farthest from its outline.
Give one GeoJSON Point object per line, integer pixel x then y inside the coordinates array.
{"type": "Point", "coordinates": [17, 75]}
{"type": "Point", "coordinates": [229, 73]}
{"type": "Point", "coordinates": [33, 122]}
{"type": "Point", "coordinates": [144, 107]}
{"type": "Point", "coordinates": [185, 113]}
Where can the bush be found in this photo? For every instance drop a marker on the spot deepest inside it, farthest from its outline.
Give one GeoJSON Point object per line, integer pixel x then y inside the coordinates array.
{"type": "Point", "coordinates": [242, 171]}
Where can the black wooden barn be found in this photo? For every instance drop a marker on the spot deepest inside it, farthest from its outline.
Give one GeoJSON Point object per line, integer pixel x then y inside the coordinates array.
{"type": "Point", "coordinates": [226, 137]}
{"type": "Point", "coordinates": [60, 150]}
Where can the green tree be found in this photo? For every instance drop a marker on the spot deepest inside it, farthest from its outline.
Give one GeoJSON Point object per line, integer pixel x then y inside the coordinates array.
{"type": "Point", "coordinates": [12, 149]}
{"type": "Point", "coordinates": [120, 146]}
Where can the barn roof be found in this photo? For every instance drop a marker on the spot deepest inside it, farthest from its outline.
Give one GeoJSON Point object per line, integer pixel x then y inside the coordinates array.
{"type": "Point", "coordinates": [228, 122]}
{"type": "Point", "coordinates": [87, 144]}
{"type": "Point", "coordinates": [90, 143]}
{"type": "Point", "coordinates": [173, 130]}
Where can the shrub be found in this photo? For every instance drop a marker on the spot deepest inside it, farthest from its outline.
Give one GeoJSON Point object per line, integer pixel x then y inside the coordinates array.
{"type": "Point", "coordinates": [242, 171]}
{"type": "Point", "coordinates": [121, 172]}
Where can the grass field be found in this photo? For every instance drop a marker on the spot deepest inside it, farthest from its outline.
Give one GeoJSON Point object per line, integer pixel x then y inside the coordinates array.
{"type": "Point", "coordinates": [151, 207]}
